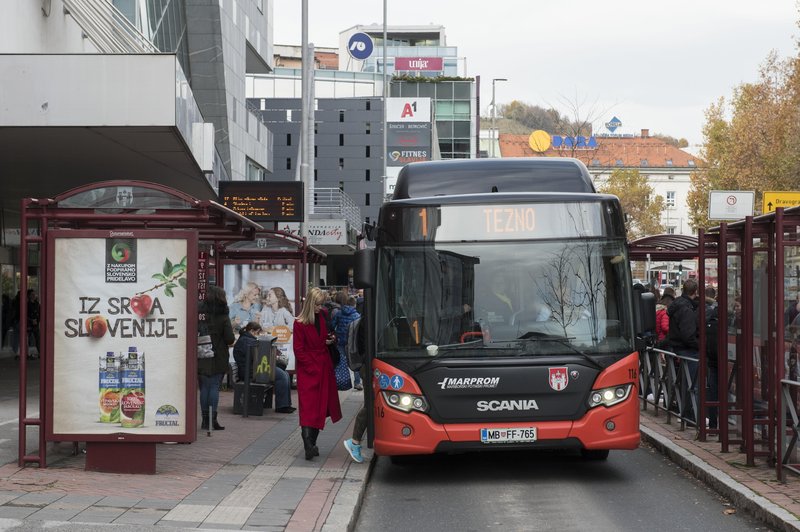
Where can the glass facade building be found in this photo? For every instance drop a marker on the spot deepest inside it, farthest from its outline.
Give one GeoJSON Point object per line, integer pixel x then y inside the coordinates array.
{"type": "Point", "coordinates": [454, 104]}
{"type": "Point", "coordinates": [163, 22]}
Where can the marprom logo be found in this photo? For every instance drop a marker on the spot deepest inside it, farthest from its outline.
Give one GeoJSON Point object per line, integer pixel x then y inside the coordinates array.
{"type": "Point", "coordinates": [450, 383]}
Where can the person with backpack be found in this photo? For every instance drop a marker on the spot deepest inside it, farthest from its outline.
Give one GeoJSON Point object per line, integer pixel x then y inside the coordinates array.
{"type": "Point", "coordinates": [356, 349]}
{"type": "Point", "coordinates": [683, 331]}
{"type": "Point", "coordinates": [341, 321]}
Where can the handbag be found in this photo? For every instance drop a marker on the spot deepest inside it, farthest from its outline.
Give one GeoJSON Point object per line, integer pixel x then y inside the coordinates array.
{"type": "Point", "coordinates": [205, 349]}
{"type": "Point", "coordinates": [342, 373]}
{"type": "Point", "coordinates": [282, 360]}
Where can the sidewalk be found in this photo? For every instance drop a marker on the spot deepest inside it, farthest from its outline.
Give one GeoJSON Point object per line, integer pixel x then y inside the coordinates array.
{"type": "Point", "coordinates": [755, 490]}
{"type": "Point", "coordinates": [253, 475]}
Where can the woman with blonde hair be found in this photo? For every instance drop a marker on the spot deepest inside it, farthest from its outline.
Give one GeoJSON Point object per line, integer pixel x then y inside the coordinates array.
{"type": "Point", "coordinates": [246, 306]}
{"type": "Point", "coordinates": [317, 395]}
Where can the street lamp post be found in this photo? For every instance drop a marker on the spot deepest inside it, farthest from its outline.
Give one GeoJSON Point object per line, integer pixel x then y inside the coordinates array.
{"type": "Point", "coordinates": [494, 114]}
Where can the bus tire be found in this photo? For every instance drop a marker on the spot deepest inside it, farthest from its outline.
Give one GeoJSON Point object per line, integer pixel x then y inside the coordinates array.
{"type": "Point", "coordinates": [594, 454]}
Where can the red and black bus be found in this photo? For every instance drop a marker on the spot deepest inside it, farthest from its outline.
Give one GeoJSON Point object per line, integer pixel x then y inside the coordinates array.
{"type": "Point", "coordinates": [499, 307]}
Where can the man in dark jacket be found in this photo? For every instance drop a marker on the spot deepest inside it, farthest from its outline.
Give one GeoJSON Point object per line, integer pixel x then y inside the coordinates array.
{"type": "Point", "coordinates": [683, 327]}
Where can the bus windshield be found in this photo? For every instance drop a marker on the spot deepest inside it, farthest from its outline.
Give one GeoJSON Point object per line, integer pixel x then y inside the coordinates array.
{"type": "Point", "coordinates": [503, 298]}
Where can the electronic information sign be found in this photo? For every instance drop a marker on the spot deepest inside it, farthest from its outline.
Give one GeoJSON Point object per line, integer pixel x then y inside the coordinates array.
{"type": "Point", "coordinates": [262, 201]}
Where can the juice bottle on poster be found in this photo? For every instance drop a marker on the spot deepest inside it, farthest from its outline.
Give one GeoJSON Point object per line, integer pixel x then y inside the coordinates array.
{"type": "Point", "coordinates": [131, 407]}
{"type": "Point", "coordinates": [109, 388]}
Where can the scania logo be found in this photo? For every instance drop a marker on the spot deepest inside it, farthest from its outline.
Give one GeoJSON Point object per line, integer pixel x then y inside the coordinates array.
{"type": "Point", "coordinates": [497, 406]}
{"type": "Point", "coordinates": [468, 382]}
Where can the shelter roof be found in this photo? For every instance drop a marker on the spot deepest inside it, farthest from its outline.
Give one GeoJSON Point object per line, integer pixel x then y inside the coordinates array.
{"type": "Point", "coordinates": [669, 247]}
{"type": "Point", "coordinates": [141, 204]}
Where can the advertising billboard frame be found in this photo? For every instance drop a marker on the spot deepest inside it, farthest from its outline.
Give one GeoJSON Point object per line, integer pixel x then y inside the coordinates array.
{"type": "Point", "coordinates": [188, 434]}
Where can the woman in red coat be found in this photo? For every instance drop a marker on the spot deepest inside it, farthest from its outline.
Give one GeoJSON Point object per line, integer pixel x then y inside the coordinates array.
{"type": "Point", "coordinates": [317, 395]}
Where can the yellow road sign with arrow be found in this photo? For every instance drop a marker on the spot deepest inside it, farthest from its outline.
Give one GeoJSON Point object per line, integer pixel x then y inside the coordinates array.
{"type": "Point", "coordinates": [773, 200]}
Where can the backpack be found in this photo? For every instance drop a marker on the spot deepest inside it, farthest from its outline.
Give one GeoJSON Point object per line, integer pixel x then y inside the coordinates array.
{"type": "Point", "coordinates": [355, 357]}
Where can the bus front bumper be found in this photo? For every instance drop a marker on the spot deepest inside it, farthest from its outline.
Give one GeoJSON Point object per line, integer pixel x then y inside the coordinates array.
{"type": "Point", "coordinates": [399, 433]}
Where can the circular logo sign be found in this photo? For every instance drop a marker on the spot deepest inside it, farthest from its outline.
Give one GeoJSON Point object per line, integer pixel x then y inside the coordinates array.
{"type": "Point", "coordinates": [360, 46]}
{"type": "Point", "coordinates": [539, 141]}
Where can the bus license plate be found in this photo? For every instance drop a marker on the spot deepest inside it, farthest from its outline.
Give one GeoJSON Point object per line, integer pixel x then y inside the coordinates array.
{"type": "Point", "coordinates": [523, 434]}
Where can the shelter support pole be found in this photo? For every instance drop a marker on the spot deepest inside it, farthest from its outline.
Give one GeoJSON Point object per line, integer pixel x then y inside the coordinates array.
{"type": "Point", "coordinates": [780, 347]}
{"type": "Point", "coordinates": [723, 364]}
{"type": "Point", "coordinates": [746, 362]}
{"type": "Point", "coordinates": [702, 361]}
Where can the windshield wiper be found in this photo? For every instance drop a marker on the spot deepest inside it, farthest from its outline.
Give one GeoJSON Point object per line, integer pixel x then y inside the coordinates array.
{"type": "Point", "coordinates": [563, 340]}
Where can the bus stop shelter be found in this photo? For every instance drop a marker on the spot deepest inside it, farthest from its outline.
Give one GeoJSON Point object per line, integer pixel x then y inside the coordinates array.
{"type": "Point", "coordinates": [126, 214]}
{"type": "Point", "coordinates": [757, 265]}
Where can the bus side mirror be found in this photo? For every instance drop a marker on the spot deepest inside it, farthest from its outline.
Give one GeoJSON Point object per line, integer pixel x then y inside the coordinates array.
{"type": "Point", "coordinates": [364, 268]}
{"type": "Point", "coordinates": [647, 308]}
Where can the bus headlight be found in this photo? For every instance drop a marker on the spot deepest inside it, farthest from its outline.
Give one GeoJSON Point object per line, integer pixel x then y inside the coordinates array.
{"type": "Point", "coordinates": [405, 402]}
{"type": "Point", "coordinates": [609, 396]}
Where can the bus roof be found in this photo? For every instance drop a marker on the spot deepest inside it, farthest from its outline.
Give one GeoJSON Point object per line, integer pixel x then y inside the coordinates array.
{"type": "Point", "coordinates": [471, 176]}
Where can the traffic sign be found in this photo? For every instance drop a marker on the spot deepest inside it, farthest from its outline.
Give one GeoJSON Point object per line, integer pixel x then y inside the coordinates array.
{"type": "Point", "coordinates": [773, 200]}
{"type": "Point", "coordinates": [360, 46]}
{"type": "Point", "coordinates": [730, 204]}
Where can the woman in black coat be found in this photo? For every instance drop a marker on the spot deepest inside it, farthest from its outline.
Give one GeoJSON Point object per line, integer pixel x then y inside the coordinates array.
{"type": "Point", "coordinates": [210, 371]}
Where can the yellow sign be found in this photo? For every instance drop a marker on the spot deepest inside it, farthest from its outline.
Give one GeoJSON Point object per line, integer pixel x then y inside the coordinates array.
{"type": "Point", "coordinates": [539, 141]}
{"type": "Point", "coordinates": [773, 200]}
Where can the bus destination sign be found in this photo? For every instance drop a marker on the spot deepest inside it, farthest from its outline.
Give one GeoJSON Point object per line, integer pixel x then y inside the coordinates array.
{"type": "Point", "coordinates": [262, 201]}
{"type": "Point", "coordinates": [453, 223]}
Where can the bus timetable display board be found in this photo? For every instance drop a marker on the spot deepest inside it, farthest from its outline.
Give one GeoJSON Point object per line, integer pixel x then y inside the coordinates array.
{"type": "Point", "coordinates": [261, 201]}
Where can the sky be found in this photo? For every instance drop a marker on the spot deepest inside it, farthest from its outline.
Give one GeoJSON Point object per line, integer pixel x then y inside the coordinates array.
{"type": "Point", "coordinates": [654, 65]}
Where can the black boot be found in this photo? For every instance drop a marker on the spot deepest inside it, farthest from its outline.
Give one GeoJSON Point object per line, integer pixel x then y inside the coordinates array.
{"type": "Point", "coordinates": [204, 424]}
{"type": "Point", "coordinates": [314, 448]}
{"type": "Point", "coordinates": [214, 423]}
{"type": "Point", "coordinates": [305, 432]}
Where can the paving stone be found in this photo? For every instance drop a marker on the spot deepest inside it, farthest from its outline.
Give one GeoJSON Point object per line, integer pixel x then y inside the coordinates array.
{"type": "Point", "coordinates": [85, 500]}
{"type": "Point", "coordinates": [37, 499]}
{"type": "Point", "coordinates": [99, 514]}
{"type": "Point", "coordinates": [10, 496]}
{"type": "Point", "coordinates": [271, 517]}
{"type": "Point", "coordinates": [140, 516]}
{"type": "Point", "coordinates": [48, 514]}
{"type": "Point", "coordinates": [286, 493]}
{"type": "Point", "coordinates": [118, 502]}
{"type": "Point", "coordinates": [193, 513]}
{"type": "Point", "coordinates": [17, 512]}
{"type": "Point", "coordinates": [158, 504]}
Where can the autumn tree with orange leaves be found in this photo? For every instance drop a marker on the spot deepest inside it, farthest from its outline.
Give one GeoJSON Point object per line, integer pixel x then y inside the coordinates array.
{"type": "Point", "coordinates": [752, 142]}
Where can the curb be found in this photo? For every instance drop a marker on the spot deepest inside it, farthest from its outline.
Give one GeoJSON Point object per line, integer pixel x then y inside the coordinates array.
{"type": "Point", "coordinates": [739, 494]}
{"type": "Point", "coordinates": [349, 498]}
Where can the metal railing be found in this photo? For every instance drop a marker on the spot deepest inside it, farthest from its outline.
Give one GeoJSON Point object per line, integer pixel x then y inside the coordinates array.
{"type": "Point", "coordinates": [788, 449]}
{"type": "Point", "coordinates": [334, 203]}
{"type": "Point", "coordinates": [107, 28]}
{"type": "Point", "coordinates": [666, 382]}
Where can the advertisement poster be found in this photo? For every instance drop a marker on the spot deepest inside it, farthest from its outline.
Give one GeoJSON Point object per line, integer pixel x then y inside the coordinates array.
{"type": "Point", "coordinates": [119, 335]}
{"type": "Point", "coordinates": [264, 293]}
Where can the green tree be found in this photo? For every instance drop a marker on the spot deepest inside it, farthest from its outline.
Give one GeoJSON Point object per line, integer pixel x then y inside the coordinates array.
{"type": "Point", "coordinates": [641, 205]}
